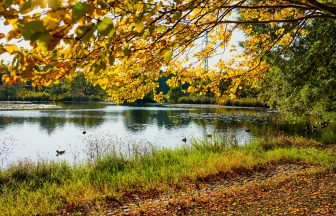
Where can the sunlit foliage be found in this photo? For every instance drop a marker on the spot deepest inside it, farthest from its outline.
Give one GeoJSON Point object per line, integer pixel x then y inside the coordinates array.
{"type": "Point", "coordinates": [122, 45]}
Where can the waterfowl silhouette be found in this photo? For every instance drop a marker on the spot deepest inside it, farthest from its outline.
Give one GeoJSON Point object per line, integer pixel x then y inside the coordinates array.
{"type": "Point", "coordinates": [307, 129]}
{"type": "Point", "coordinates": [324, 124]}
{"type": "Point", "coordinates": [209, 135]}
{"type": "Point", "coordinates": [59, 152]}
{"type": "Point", "coordinates": [84, 132]}
{"type": "Point", "coordinates": [310, 129]}
{"type": "Point", "coordinates": [184, 140]}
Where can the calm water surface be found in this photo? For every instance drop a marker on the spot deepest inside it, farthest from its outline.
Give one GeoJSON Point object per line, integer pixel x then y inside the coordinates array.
{"type": "Point", "coordinates": [37, 134]}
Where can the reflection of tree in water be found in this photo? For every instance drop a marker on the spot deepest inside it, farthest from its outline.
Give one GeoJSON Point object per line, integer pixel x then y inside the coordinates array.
{"type": "Point", "coordinates": [226, 121]}
{"type": "Point", "coordinates": [50, 124]}
{"type": "Point", "coordinates": [163, 119]}
{"type": "Point", "coordinates": [307, 127]}
{"type": "Point", "coordinates": [51, 121]}
{"type": "Point", "coordinates": [274, 124]}
{"type": "Point", "coordinates": [258, 123]}
{"type": "Point", "coordinates": [5, 121]}
{"type": "Point", "coordinates": [88, 119]}
{"type": "Point", "coordinates": [224, 126]}
{"type": "Point", "coordinates": [168, 119]}
{"type": "Point", "coordinates": [82, 119]}
{"type": "Point", "coordinates": [137, 119]}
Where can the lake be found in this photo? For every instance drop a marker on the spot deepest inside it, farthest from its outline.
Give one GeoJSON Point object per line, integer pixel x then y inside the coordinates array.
{"type": "Point", "coordinates": [36, 135]}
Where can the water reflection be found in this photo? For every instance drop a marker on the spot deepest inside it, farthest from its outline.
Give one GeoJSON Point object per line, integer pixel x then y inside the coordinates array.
{"type": "Point", "coordinates": [136, 120]}
{"type": "Point", "coordinates": [50, 121]}
{"type": "Point", "coordinates": [42, 132]}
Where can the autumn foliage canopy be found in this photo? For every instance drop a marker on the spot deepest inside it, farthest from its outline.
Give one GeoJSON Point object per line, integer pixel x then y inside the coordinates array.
{"type": "Point", "coordinates": [125, 46]}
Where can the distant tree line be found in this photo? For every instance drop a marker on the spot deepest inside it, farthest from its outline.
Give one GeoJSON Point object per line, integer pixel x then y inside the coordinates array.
{"type": "Point", "coordinates": [75, 89]}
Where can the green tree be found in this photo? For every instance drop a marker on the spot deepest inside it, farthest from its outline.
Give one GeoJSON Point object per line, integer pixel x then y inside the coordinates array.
{"type": "Point", "coordinates": [80, 85]}
{"type": "Point", "coordinates": [303, 77]}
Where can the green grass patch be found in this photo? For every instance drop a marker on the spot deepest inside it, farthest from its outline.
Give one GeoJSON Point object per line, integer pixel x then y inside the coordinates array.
{"type": "Point", "coordinates": [44, 188]}
{"type": "Point", "coordinates": [240, 102]}
{"type": "Point", "coordinates": [197, 100]}
{"type": "Point", "coordinates": [243, 102]}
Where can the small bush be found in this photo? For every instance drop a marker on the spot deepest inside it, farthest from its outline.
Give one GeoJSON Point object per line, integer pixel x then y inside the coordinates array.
{"type": "Point", "coordinates": [197, 100]}
{"type": "Point", "coordinates": [242, 102]}
{"type": "Point", "coordinates": [9, 93]}
{"type": "Point", "coordinates": [33, 96]}
{"type": "Point", "coordinates": [78, 97]}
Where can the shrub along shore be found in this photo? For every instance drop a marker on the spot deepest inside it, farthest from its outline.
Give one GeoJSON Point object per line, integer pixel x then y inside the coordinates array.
{"type": "Point", "coordinates": [239, 102]}
{"type": "Point", "coordinates": [49, 188]}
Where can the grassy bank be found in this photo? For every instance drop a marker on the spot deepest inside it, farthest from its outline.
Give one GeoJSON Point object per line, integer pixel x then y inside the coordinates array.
{"type": "Point", "coordinates": [197, 100]}
{"type": "Point", "coordinates": [44, 188]}
{"type": "Point", "coordinates": [242, 102]}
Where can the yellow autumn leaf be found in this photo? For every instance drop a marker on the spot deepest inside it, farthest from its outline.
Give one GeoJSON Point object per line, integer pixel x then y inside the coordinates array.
{"type": "Point", "coordinates": [279, 31]}
{"type": "Point", "coordinates": [47, 83]}
{"type": "Point", "coordinates": [4, 77]}
{"type": "Point", "coordinates": [168, 55]}
{"type": "Point", "coordinates": [12, 21]}
{"type": "Point", "coordinates": [139, 27]}
{"type": "Point", "coordinates": [11, 49]}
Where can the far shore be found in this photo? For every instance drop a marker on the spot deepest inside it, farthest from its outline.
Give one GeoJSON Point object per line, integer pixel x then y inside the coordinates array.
{"type": "Point", "coordinates": [29, 105]}
{"type": "Point", "coordinates": [25, 105]}
{"type": "Point", "coordinates": [211, 106]}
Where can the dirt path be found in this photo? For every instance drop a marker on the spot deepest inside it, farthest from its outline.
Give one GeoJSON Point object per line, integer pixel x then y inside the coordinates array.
{"type": "Point", "coordinates": [282, 189]}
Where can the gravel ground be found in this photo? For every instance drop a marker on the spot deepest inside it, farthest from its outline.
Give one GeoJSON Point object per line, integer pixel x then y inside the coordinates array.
{"type": "Point", "coordinates": [275, 189]}
{"type": "Point", "coordinates": [287, 190]}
